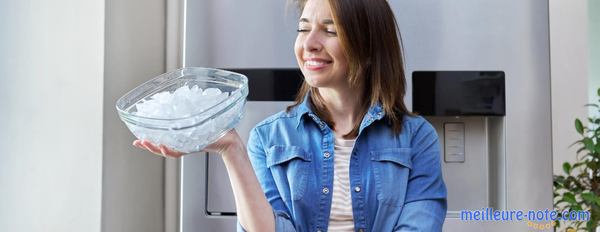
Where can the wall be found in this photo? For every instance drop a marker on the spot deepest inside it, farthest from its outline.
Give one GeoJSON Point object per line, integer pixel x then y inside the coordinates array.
{"type": "Point", "coordinates": [594, 52]}
{"type": "Point", "coordinates": [133, 180]}
{"type": "Point", "coordinates": [569, 71]}
{"type": "Point", "coordinates": [51, 71]}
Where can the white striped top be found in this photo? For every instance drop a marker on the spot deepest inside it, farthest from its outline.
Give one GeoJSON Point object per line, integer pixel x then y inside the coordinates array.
{"type": "Point", "coordinates": [340, 218]}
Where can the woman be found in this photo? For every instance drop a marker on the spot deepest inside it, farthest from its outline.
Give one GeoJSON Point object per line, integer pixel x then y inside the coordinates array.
{"type": "Point", "coordinates": [347, 156]}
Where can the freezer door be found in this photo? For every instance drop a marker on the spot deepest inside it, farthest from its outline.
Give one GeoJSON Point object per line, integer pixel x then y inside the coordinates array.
{"type": "Point", "coordinates": [207, 201]}
{"type": "Point", "coordinates": [220, 199]}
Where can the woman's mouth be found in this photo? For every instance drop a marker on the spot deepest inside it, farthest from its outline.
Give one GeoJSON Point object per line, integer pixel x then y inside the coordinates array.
{"type": "Point", "coordinates": [316, 64]}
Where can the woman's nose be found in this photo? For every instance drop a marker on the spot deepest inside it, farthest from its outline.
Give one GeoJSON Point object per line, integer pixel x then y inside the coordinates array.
{"type": "Point", "coordinates": [312, 43]}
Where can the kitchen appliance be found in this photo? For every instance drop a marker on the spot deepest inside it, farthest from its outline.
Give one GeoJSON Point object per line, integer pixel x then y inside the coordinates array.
{"type": "Point", "coordinates": [496, 148]}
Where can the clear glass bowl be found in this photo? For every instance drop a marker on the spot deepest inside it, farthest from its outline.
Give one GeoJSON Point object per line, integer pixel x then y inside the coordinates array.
{"type": "Point", "coordinates": [189, 133]}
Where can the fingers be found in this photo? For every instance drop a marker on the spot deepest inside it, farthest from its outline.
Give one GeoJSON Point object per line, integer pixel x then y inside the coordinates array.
{"type": "Point", "coordinates": [161, 150]}
{"type": "Point", "coordinates": [168, 152]}
{"type": "Point", "coordinates": [136, 143]}
{"type": "Point", "coordinates": [151, 147]}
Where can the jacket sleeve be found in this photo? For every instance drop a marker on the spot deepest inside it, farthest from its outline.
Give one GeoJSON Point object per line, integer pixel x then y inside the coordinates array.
{"type": "Point", "coordinates": [422, 215]}
{"type": "Point", "coordinates": [425, 204]}
{"type": "Point", "coordinates": [282, 223]}
{"type": "Point", "coordinates": [257, 155]}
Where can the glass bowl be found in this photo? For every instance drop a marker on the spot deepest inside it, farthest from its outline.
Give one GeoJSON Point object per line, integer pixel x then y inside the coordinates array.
{"type": "Point", "coordinates": [203, 125]}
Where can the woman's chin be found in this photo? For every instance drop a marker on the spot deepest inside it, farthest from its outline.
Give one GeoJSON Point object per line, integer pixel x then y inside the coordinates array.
{"type": "Point", "coordinates": [314, 82]}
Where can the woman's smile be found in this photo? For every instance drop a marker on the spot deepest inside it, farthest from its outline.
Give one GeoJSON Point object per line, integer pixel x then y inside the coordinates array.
{"type": "Point", "coordinates": [316, 64]}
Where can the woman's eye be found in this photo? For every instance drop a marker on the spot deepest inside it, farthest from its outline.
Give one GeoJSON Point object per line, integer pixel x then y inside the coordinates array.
{"type": "Point", "coordinates": [331, 32]}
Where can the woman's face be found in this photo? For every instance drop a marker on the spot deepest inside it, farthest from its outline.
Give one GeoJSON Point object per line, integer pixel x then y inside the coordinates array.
{"type": "Point", "coordinates": [318, 50]}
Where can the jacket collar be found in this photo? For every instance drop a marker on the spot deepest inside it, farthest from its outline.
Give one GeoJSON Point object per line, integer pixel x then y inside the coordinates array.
{"type": "Point", "coordinates": [305, 109]}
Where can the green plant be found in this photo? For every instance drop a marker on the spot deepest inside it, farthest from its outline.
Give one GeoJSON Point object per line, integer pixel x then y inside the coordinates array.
{"type": "Point", "coordinates": [579, 188]}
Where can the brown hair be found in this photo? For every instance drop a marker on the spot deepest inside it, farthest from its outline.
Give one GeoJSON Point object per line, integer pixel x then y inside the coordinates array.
{"type": "Point", "coordinates": [369, 36]}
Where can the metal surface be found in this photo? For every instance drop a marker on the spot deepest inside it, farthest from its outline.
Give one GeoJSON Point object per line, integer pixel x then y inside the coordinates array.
{"type": "Point", "coordinates": [469, 182]}
{"type": "Point", "coordinates": [507, 159]}
{"type": "Point", "coordinates": [207, 198]}
{"type": "Point", "coordinates": [511, 36]}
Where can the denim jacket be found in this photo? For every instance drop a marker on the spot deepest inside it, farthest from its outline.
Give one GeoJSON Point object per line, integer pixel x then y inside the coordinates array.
{"type": "Point", "coordinates": [396, 179]}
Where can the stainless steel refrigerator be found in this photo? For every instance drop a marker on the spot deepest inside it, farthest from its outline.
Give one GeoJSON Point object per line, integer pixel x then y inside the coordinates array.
{"type": "Point", "coordinates": [498, 163]}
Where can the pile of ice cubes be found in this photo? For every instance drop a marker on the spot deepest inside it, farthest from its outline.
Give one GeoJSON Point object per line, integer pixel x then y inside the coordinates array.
{"type": "Point", "coordinates": [193, 117]}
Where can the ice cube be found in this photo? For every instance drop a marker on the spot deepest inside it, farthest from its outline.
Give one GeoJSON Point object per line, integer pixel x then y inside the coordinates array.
{"type": "Point", "coordinates": [212, 92]}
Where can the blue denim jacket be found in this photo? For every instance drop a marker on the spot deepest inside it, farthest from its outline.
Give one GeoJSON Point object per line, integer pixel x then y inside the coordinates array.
{"type": "Point", "coordinates": [396, 180]}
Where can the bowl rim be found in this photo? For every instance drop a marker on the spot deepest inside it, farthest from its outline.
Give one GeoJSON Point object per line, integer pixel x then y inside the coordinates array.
{"type": "Point", "coordinates": [169, 128]}
{"type": "Point", "coordinates": [130, 116]}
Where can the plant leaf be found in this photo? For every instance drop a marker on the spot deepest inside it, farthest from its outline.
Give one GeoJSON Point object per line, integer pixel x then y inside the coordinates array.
{"type": "Point", "coordinates": [570, 198]}
{"type": "Point", "coordinates": [579, 126]}
{"type": "Point", "coordinates": [591, 105]}
{"type": "Point", "coordinates": [589, 144]}
{"type": "Point", "coordinates": [590, 197]}
{"type": "Point", "coordinates": [576, 142]}
{"type": "Point", "coordinates": [577, 165]}
{"type": "Point", "coordinates": [567, 168]}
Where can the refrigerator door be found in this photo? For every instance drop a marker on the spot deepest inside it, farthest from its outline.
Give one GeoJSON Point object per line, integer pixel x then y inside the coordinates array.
{"type": "Point", "coordinates": [510, 36]}
{"type": "Point", "coordinates": [207, 199]}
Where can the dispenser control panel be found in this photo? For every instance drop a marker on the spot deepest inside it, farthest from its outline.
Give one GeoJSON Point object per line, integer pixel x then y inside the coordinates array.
{"type": "Point", "coordinates": [454, 142]}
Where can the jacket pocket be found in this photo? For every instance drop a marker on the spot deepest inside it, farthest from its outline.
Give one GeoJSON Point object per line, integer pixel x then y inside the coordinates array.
{"type": "Point", "coordinates": [391, 169]}
{"type": "Point", "coordinates": [289, 166]}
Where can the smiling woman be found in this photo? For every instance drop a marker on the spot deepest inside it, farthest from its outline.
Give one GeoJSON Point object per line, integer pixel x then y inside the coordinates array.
{"type": "Point", "coordinates": [347, 155]}
{"type": "Point", "coordinates": [354, 47]}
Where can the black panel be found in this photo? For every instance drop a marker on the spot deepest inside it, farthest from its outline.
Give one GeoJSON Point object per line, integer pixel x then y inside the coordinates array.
{"type": "Point", "coordinates": [272, 84]}
{"type": "Point", "coordinates": [458, 93]}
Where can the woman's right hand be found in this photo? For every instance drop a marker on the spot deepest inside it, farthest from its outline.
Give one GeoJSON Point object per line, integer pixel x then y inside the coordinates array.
{"type": "Point", "coordinates": [229, 143]}
{"type": "Point", "coordinates": [157, 149]}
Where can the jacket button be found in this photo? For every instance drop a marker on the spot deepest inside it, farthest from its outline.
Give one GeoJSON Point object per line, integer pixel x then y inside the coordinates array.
{"type": "Point", "coordinates": [325, 190]}
{"type": "Point", "coordinates": [326, 154]}
{"type": "Point", "coordinates": [357, 189]}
